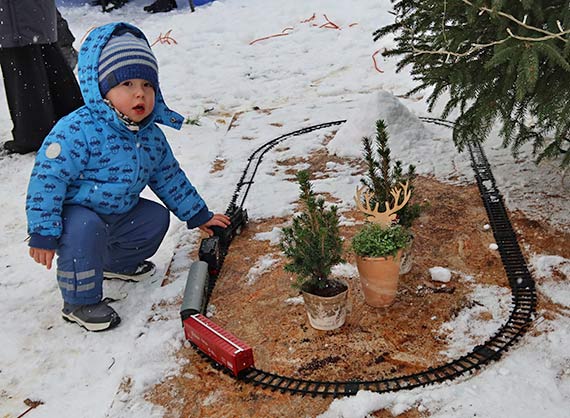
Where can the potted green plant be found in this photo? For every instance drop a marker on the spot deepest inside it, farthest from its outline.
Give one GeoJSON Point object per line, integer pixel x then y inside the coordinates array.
{"type": "Point", "coordinates": [379, 245]}
{"type": "Point", "coordinates": [313, 246]}
{"type": "Point", "coordinates": [382, 177]}
{"type": "Point", "coordinates": [378, 250]}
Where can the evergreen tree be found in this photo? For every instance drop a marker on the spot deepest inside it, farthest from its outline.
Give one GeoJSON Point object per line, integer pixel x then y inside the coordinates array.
{"type": "Point", "coordinates": [312, 243]}
{"type": "Point", "coordinates": [498, 60]}
{"type": "Point", "coordinates": [381, 177]}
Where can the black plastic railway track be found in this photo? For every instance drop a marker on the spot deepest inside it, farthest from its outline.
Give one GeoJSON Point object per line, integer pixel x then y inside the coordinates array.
{"type": "Point", "coordinates": [520, 280]}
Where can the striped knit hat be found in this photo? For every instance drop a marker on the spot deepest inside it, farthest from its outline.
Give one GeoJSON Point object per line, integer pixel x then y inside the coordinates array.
{"type": "Point", "coordinates": [125, 57]}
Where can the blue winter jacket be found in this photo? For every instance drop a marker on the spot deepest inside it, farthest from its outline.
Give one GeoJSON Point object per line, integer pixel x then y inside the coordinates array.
{"type": "Point", "coordinates": [91, 159]}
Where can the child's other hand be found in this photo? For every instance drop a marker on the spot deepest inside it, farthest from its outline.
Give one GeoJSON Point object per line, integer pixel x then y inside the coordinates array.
{"type": "Point", "coordinates": [217, 220]}
{"type": "Point", "coordinates": [42, 256]}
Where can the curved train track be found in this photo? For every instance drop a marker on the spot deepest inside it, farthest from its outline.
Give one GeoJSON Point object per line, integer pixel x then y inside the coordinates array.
{"type": "Point", "coordinates": [520, 280]}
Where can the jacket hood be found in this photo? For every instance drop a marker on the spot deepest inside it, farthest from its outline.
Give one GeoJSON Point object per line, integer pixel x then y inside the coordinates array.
{"type": "Point", "coordinates": [88, 71]}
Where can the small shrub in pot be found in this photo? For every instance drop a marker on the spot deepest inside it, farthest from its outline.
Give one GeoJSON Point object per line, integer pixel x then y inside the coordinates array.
{"type": "Point", "coordinates": [313, 246]}
{"type": "Point", "coordinates": [313, 243]}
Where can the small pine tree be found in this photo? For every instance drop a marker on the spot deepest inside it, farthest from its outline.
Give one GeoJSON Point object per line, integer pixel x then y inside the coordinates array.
{"type": "Point", "coordinates": [312, 243]}
{"type": "Point", "coordinates": [382, 177]}
{"type": "Point", "coordinates": [498, 60]}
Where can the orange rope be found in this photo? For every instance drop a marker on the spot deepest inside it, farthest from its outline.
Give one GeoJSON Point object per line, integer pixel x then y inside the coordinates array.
{"type": "Point", "coordinates": [165, 39]}
{"type": "Point", "coordinates": [375, 63]}
{"type": "Point", "coordinates": [329, 24]}
{"type": "Point", "coordinates": [284, 32]}
{"type": "Point", "coordinates": [309, 19]}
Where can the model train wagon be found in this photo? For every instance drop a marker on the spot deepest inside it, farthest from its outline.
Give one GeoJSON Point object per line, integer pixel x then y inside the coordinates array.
{"type": "Point", "coordinates": [218, 344]}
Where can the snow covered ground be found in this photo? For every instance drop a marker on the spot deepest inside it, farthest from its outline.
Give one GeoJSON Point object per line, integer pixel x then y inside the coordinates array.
{"type": "Point", "coordinates": [310, 75]}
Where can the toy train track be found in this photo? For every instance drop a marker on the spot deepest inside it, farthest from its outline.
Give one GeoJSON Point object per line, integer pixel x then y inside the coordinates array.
{"type": "Point", "coordinates": [256, 158]}
{"type": "Point", "coordinates": [520, 281]}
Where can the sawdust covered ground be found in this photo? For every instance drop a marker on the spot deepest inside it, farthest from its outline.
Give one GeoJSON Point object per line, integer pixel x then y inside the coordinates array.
{"type": "Point", "coordinates": [374, 343]}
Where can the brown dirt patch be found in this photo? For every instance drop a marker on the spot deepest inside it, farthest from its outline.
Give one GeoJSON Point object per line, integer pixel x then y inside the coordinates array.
{"type": "Point", "coordinates": [375, 342]}
{"type": "Point", "coordinates": [218, 165]}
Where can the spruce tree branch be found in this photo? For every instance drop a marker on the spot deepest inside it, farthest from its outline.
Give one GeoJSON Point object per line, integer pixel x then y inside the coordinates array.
{"type": "Point", "coordinates": [542, 38]}
{"type": "Point", "coordinates": [550, 35]}
{"type": "Point", "coordinates": [474, 48]}
{"type": "Point", "coordinates": [478, 47]}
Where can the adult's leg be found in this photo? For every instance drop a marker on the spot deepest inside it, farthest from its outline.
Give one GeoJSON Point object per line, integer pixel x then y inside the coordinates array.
{"type": "Point", "coordinates": [28, 96]}
{"type": "Point", "coordinates": [134, 236]}
{"type": "Point", "coordinates": [80, 256]}
{"type": "Point", "coordinates": [63, 86]}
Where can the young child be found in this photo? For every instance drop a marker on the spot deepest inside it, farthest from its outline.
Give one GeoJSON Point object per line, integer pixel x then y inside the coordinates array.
{"type": "Point", "coordinates": [83, 198]}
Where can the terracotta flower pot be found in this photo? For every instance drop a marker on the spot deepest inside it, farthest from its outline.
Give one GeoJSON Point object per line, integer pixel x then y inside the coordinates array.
{"type": "Point", "coordinates": [326, 313]}
{"type": "Point", "coordinates": [379, 279]}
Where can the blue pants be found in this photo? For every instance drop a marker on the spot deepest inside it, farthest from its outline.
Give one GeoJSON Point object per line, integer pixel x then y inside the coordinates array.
{"type": "Point", "coordinates": [92, 243]}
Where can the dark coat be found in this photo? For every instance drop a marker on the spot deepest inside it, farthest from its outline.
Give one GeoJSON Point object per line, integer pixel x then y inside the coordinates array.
{"type": "Point", "coordinates": [27, 22]}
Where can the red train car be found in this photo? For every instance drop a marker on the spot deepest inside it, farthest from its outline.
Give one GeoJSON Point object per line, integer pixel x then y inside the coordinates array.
{"type": "Point", "coordinates": [218, 344]}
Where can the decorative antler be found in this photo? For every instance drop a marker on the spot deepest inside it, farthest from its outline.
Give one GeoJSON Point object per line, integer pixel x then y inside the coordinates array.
{"type": "Point", "coordinates": [373, 214]}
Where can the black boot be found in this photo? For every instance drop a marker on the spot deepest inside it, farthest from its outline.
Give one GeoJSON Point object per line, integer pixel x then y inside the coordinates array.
{"type": "Point", "coordinates": [11, 147]}
{"type": "Point", "coordinates": [108, 5]}
{"type": "Point", "coordinates": [161, 6]}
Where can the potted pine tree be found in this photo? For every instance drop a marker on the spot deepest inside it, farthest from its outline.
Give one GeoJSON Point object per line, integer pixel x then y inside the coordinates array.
{"type": "Point", "coordinates": [382, 177]}
{"type": "Point", "coordinates": [313, 246]}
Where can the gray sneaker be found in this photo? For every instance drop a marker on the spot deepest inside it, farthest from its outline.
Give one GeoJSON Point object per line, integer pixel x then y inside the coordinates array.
{"type": "Point", "coordinates": [97, 317]}
{"type": "Point", "coordinates": [143, 271]}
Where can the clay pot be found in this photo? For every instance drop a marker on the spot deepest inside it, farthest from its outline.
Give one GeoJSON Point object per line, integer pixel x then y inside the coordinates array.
{"type": "Point", "coordinates": [379, 279]}
{"type": "Point", "coordinates": [326, 313]}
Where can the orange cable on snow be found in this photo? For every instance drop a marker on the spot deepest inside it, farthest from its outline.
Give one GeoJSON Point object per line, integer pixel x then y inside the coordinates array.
{"type": "Point", "coordinates": [329, 24]}
{"type": "Point", "coordinates": [313, 17]}
{"type": "Point", "coordinates": [284, 32]}
{"type": "Point", "coordinates": [375, 63]}
{"type": "Point", "coordinates": [165, 39]}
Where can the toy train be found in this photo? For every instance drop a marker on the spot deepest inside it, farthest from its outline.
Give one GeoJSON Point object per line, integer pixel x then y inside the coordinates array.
{"type": "Point", "coordinates": [211, 254]}
{"type": "Point", "coordinates": [213, 249]}
{"type": "Point", "coordinates": [218, 344]}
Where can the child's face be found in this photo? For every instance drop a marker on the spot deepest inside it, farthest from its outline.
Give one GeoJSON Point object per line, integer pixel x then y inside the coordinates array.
{"type": "Point", "coordinates": [134, 98]}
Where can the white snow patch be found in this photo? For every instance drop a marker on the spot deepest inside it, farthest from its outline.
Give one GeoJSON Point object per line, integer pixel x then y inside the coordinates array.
{"type": "Point", "coordinates": [297, 300]}
{"type": "Point", "coordinates": [440, 274]}
{"type": "Point", "coordinates": [344, 270]}
{"type": "Point", "coordinates": [489, 309]}
{"type": "Point", "coordinates": [543, 267]}
{"type": "Point", "coordinates": [272, 236]}
{"type": "Point", "coordinates": [263, 264]}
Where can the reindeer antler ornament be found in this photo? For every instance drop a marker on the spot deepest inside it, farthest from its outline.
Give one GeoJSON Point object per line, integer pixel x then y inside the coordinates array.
{"type": "Point", "coordinates": [389, 215]}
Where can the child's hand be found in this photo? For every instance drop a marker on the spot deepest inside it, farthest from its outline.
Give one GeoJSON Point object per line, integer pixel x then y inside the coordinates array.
{"type": "Point", "coordinates": [217, 220]}
{"type": "Point", "coordinates": [42, 256]}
